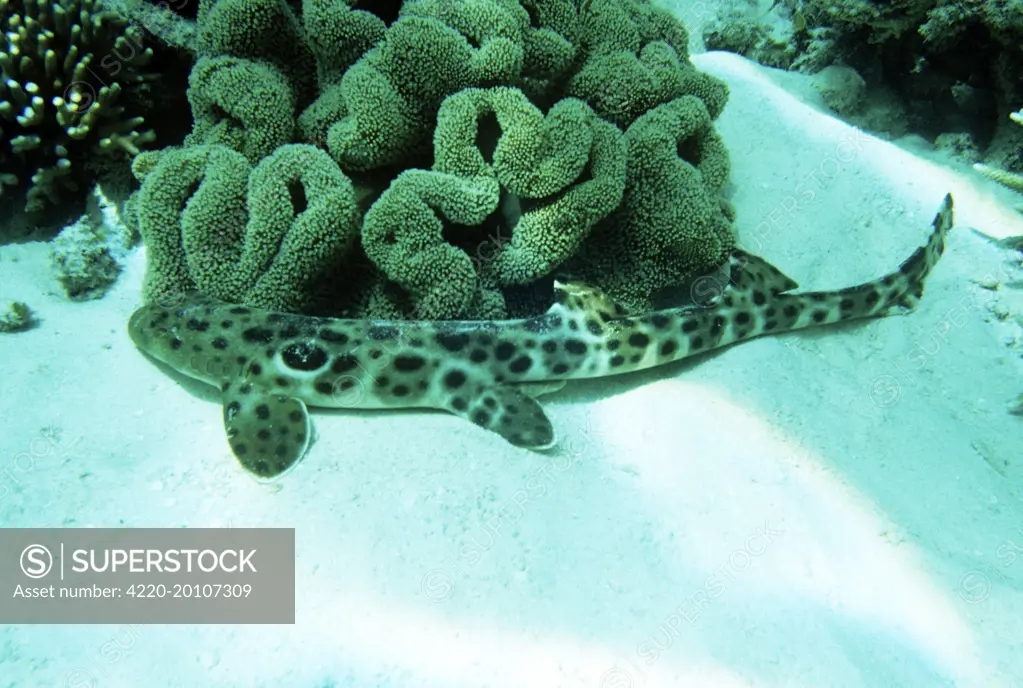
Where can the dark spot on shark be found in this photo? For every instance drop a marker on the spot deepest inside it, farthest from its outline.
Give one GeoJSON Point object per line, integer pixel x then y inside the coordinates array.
{"type": "Point", "coordinates": [791, 311]}
{"type": "Point", "coordinates": [400, 390]}
{"type": "Point", "coordinates": [690, 325]}
{"type": "Point", "coordinates": [246, 388]}
{"type": "Point", "coordinates": [295, 416]}
{"type": "Point", "coordinates": [325, 388]}
{"type": "Point", "coordinates": [281, 381]}
{"type": "Point", "coordinates": [175, 343]}
{"type": "Point", "coordinates": [669, 347]}
{"type": "Point", "coordinates": [263, 434]}
{"type": "Point", "coordinates": [258, 335]}
{"type": "Point", "coordinates": [290, 332]}
{"type": "Point", "coordinates": [819, 316]}
{"type": "Point", "coordinates": [383, 333]}
{"type": "Point", "coordinates": [638, 340]}
{"type": "Point", "coordinates": [239, 310]}
{"type": "Point", "coordinates": [255, 369]}
{"type": "Point", "coordinates": [847, 304]}
{"type": "Point", "coordinates": [241, 449]}
{"type": "Point", "coordinates": [227, 324]}
{"type": "Point", "coordinates": [759, 299]}
{"type": "Point", "coordinates": [459, 404]}
{"type": "Point", "coordinates": [696, 344]}
{"type": "Point", "coordinates": [342, 364]}
{"type": "Point", "coordinates": [617, 360]}
{"type": "Point", "coordinates": [504, 351]}
{"type": "Point", "coordinates": [742, 318]}
{"type": "Point", "coordinates": [329, 335]}
{"type": "Point", "coordinates": [454, 379]}
{"type": "Point", "coordinates": [263, 412]}
{"type": "Point", "coordinates": [481, 417]}
{"type": "Point", "coordinates": [453, 342]}
{"type": "Point", "coordinates": [549, 346]}
{"type": "Point", "coordinates": [521, 364]}
{"type": "Point", "coordinates": [303, 356]}
{"type": "Point", "coordinates": [196, 348]}
{"type": "Point", "coordinates": [613, 344]}
{"type": "Point", "coordinates": [408, 364]}
{"type": "Point", "coordinates": [872, 298]}
{"type": "Point", "coordinates": [490, 402]}
{"type": "Point", "coordinates": [660, 321]}
{"type": "Point", "coordinates": [478, 356]}
{"type": "Point", "coordinates": [770, 325]}
{"type": "Point", "coordinates": [197, 325]}
{"type": "Point", "coordinates": [219, 343]}
{"type": "Point", "coordinates": [575, 346]}
{"type": "Point", "coordinates": [231, 410]}
{"type": "Point", "coordinates": [559, 368]}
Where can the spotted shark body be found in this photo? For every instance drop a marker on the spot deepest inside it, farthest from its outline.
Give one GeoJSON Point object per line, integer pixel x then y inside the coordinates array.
{"type": "Point", "coordinates": [270, 366]}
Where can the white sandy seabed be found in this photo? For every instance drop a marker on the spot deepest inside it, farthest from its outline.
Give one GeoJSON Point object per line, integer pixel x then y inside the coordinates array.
{"type": "Point", "coordinates": [832, 508]}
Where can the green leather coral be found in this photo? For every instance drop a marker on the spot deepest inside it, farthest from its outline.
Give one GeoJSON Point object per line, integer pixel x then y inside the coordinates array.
{"type": "Point", "coordinates": [498, 161]}
{"type": "Point", "coordinates": [70, 69]}
{"type": "Point", "coordinates": [242, 104]}
{"type": "Point", "coordinates": [387, 101]}
{"type": "Point", "coordinates": [673, 223]}
{"type": "Point", "coordinates": [636, 59]}
{"type": "Point", "coordinates": [272, 236]}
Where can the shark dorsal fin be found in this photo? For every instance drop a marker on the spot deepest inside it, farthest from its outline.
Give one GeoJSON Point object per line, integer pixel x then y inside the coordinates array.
{"type": "Point", "coordinates": [749, 272]}
{"type": "Point", "coordinates": [578, 297]}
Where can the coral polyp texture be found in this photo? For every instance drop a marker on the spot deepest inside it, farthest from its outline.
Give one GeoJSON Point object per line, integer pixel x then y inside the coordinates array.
{"type": "Point", "coordinates": [436, 159]}
{"type": "Point", "coordinates": [69, 69]}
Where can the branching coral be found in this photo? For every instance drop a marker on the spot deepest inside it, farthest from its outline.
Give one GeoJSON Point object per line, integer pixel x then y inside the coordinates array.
{"type": "Point", "coordinates": [69, 68]}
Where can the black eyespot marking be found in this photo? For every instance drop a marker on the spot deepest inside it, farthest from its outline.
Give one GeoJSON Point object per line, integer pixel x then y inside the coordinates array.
{"type": "Point", "coordinates": [573, 325]}
{"type": "Point", "coordinates": [742, 318]}
{"type": "Point", "coordinates": [521, 364]}
{"type": "Point", "coordinates": [197, 325]}
{"type": "Point", "coordinates": [303, 356]}
{"type": "Point", "coordinates": [504, 351]}
{"type": "Point", "coordinates": [697, 343]}
{"type": "Point", "coordinates": [175, 343]}
{"type": "Point", "coordinates": [342, 364]}
{"type": "Point", "coordinates": [383, 333]}
{"type": "Point", "coordinates": [219, 343]}
{"type": "Point", "coordinates": [575, 346]}
{"type": "Point", "coordinates": [617, 361]}
{"type": "Point", "coordinates": [669, 347]}
{"type": "Point", "coordinates": [333, 337]}
{"type": "Point", "coordinates": [559, 368]}
{"type": "Point", "coordinates": [258, 335]}
{"type": "Point", "coordinates": [255, 369]}
{"type": "Point", "coordinates": [454, 379]}
{"type": "Point", "coordinates": [478, 356]}
{"type": "Point", "coordinates": [613, 344]}
{"type": "Point", "coordinates": [325, 388]}
{"type": "Point", "coordinates": [690, 325]}
{"type": "Point", "coordinates": [459, 404]}
{"type": "Point", "coordinates": [262, 412]}
{"type": "Point", "coordinates": [638, 340]}
{"type": "Point", "coordinates": [550, 346]}
{"type": "Point", "coordinates": [758, 298]}
{"type": "Point", "coordinates": [490, 402]}
{"type": "Point", "coordinates": [594, 327]}
{"type": "Point", "coordinates": [481, 417]}
{"type": "Point", "coordinates": [400, 390]}
{"type": "Point", "coordinates": [819, 316]}
{"type": "Point", "coordinates": [453, 342]}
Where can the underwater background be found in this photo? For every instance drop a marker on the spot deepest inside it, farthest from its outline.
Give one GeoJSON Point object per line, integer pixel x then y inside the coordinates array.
{"type": "Point", "coordinates": [839, 506]}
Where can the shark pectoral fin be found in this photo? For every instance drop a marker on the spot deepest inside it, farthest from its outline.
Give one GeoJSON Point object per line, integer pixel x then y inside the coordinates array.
{"type": "Point", "coordinates": [510, 413]}
{"type": "Point", "coordinates": [268, 433]}
{"type": "Point", "coordinates": [539, 389]}
{"type": "Point", "coordinates": [753, 272]}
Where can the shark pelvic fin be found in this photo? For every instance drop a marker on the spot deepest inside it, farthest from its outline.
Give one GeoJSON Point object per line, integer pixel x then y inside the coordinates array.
{"type": "Point", "coordinates": [268, 433]}
{"type": "Point", "coordinates": [510, 413]}
{"type": "Point", "coordinates": [749, 272]}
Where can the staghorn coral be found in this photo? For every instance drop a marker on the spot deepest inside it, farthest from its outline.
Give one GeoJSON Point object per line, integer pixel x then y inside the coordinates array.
{"type": "Point", "coordinates": [270, 236]}
{"type": "Point", "coordinates": [70, 69]}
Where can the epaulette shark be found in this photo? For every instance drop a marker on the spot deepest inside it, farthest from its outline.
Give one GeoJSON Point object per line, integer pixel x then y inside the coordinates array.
{"type": "Point", "coordinates": [270, 366]}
